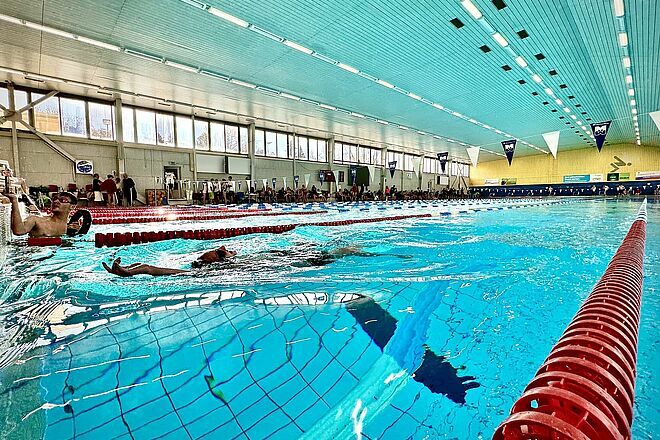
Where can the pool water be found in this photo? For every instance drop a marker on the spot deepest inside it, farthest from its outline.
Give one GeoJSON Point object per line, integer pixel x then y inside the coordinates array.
{"type": "Point", "coordinates": [431, 330]}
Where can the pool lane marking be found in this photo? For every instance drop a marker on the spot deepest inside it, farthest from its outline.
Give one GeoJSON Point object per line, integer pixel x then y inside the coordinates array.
{"type": "Point", "coordinates": [339, 330]}
{"type": "Point", "coordinates": [254, 326]}
{"type": "Point", "coordinates": [202, 343]}
{"type": "Point", "coordinates": [293, 319]}
{"type": "Point", "coordinates": [246, 353]}
{"type": "Point", "coordinates": [370, 321]}
{"type": "Point", "coordinates": [82, 368]}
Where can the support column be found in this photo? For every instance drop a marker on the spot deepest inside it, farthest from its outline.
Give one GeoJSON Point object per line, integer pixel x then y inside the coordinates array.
{"type": "Point", "coordinates": [194, 151]}
{"type": "Point", "coordinates": [119, 136]}
{"type": "Point", "coordinates": [14, 136]}
{"type": "Point", "coordinates": [251, 147]}
{"type": "Point", "coordinates": [295, 153]}
{"type": "Point", "coordinates": [331, 158]}
{"type": "Point", "coordinates": [385, 169]}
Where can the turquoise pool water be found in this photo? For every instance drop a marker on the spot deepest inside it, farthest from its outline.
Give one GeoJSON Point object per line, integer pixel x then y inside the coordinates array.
{"type": "Point", "coordinates": [432, 331]}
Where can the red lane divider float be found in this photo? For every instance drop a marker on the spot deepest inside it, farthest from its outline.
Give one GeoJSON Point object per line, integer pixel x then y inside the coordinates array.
{"type": "Point", "coordinates": [585, 388]}
{"type": "Point", "coordinates": [169, 217]}
{"type": "Point", "coordinates": [128, 238]}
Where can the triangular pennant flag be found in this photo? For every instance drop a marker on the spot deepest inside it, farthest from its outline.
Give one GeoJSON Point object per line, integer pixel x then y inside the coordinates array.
{"type": "Point", "coordinates": [599, 131]}
{"type": "Point", "coordinates": [307, 177]}
{"type": "Point", "coordinates": [265, 181]}
{"type": "Point", "coordinates": [417, 161]}
{"type": "Point", "coordinates": [392, 167]}
{"type": "Point", "coordinates": [249, 184]}
{"type": "Point", "coordinates": [284, 180]}
{"type": "Point", "coordinates": [371, 173]}
{"type": "Point", "coordinates": [274, 182]}
{"type": "Point", "coordinates": [552, 140]}
{"type": "Point", "coordinates": [296, 181]}
{"type": "Point", "coordinates": [442, 157]}
{"type": "Point", "coordinates": [473, 154]}
{"type": "Point", "coordinates": [509, 148]}
{"type": "Point", "coordinates": [353, 171]}
{"type": "Point", "coordinates": [656, 118]}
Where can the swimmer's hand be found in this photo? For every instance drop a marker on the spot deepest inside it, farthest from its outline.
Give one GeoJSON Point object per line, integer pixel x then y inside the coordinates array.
{"type": "Point", "coordinates": [117, 269]}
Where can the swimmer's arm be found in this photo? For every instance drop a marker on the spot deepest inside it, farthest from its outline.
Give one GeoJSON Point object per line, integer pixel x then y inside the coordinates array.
{"type": "Point", "coordinates": [18, 225]}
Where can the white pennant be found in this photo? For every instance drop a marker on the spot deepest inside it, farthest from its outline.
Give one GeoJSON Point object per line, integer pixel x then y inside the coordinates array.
{"type": "Point", "coordinates": [417, 161]}
{"type": "Point", "coordinates": [284, 180]}
{"type": "Point", "coordinates": [307, 177]}
{"type": "Point", "coordinates": [473, 154]}
{"type": "Point", "coordinates": [656, 118]}
{"type": "Point", "coordinates": [552, 140]}
{"type": "Point", "coordinates": [265, 181]}
{"type": "Point", "coordinates": [371, 173]}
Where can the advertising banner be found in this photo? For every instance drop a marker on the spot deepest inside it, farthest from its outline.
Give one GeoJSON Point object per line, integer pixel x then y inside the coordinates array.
{"type": "Point", "coordinates": [84, 167]}
{"type": "Point", "coordinates": [577, 178]}
{"type": "Point", "coordinates": [596, 178]}
{"type": "Point", "coordinates": [492, 182]}
{"type": "Point", "coordinates": [647, 175]}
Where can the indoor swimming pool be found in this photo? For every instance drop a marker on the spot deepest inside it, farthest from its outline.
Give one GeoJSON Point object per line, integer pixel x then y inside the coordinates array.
{"type": "Point", "coordinates": [419, 328]}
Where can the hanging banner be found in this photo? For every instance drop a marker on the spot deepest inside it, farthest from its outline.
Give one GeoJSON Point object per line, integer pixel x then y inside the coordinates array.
{"type": "Point", "coordinates": [265, 181]}
{"type": "Point", "coordinates": [284, 180]}
{"type": "Point", "coordinates": [577, 178]}
{"type": "Point", "coordinates": [656, 118]}
{"type": "Point", "coordinates": [239, 185]}
{"type": "Point", "coordinates": [473, 154]}
{"type": "Point", "coordinates": [509, 148]}
{"type": "Point", "coordinates": [322, 177]}
{"type": "Point", "coordinates": [248, 183]}
{"type": "Point", "coordinates": [491, 182]}
{"type": "Point", "coordinates": [307, 177]}
{"type": "Point", "coordinates": [371, 169]}
{"type": "Point", "coordinates": [392, 167]}
{"type": "Point", "coordinates": [274, 182]}
{"type": "Point", "coordinates": [84, 167]}
{"type": "Point", "coordinates": [442, 157]}
{"type": "Point", "coordinates": [296, 180]}
{"type": "Point", "coordinates": [599, 131]}
{"type": "Point", "coordinates": [353, 171]}
{"type": "Point", "coordinates": [417, 162]}
{"type": "Point", "coordinates": [596, 177]}
{"type": "Point", "coordinates": [552, 141]}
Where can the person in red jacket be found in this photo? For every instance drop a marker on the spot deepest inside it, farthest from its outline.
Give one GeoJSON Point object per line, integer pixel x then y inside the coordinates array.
{"type": "Point", "coordinates": [109, 187]}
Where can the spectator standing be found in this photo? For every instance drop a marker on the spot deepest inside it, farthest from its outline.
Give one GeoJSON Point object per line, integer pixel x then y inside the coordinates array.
{"type": "Point", "coordinates": [110, 188]}
{"type": "Point", "coordinates": [96, 189]}
{"type": "Point", "coordinates": [128, 188]}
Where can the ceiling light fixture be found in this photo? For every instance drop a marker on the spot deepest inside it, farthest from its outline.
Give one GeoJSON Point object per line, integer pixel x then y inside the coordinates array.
{"type": "Point", "coordinates": [500, 39]}
{"type": "Point", "coordinates": [292, 97]}
{"type": "Point", "coordinates": [357, 115]}
{"type": "Point", "coordinates": [327, 107]}
{"type": "Point", "coordinates": [242, 83]}
{"type": "Point", "coordinates": [97, 43]}
{"type": "Point", "coordinates": [558, 101]}
{"type": "Point", "coordinates": [633, 102]}
{"type": "Point", "coordinates": [626, 62]}
{"type": "Point", "coordinates": [537, 78]}
{"type": "Point", "coordinates": [549, 91]}
{"type": "Point", "coordinates": [385, 83]}
{"type": "Point", "coordinates": [181, 66]}
{"type": "Point", "coordinates": [230, 18]}
{"type": "Point", "coordinates": [347, 68]}
{"type": "Point", "coordinates": [413, 96]}
{"type": "Point", "coordinates": [629, 79]}
{"type": "Point", "coordinates": [567, 110]}
{"type": "Point", "coordinates": [472, 9]}
{"type": "Point", "coordinates": [623, 39]}
{"type": "Point", "coordinates": [618, 8]}
{"type": "Point", "coordinates": [521, 62]}
{"type": "Point", "coordinates": [631, 92]}
{"type": "Point", "coordinates": [380, 121]}
{"type": "Point", "coordinates": [298, 47]}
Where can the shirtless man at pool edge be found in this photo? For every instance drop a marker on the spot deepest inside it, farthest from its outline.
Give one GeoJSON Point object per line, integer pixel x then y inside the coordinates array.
{"type": "Point", "coordinates": [54, 225]}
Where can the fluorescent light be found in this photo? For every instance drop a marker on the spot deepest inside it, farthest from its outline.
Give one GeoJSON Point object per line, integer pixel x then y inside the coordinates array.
{"type": "Point", "coordinates": [618, 8]}
{"type": "Point", "coordinates": [97, 43]}
{"type": "Point", "coordinates": [403, 128]}
{"type": "Point", "coordinates": [10, 19]}
{"type": "Point", "coordinates": [548, 90]}
{"type": "Point", "coordinates": [567, 110]}
{"type": "Point", "coordinates": [80, 84]}
{"type": "Point", "coordinates": [327, 107]}
{"type": "Point", "coordinates": [472, 9]}
{"type": "Point", "coordinates": [636, 124]}
{"type": "Point", "coordinates": [265, 33]}
{"type": "Point", "coordinates": [181, 66]}
{"type": "Point", "coordinates": [498, 131]}
{"type": "Point", "coordinates": [500, 39]}
{"type": "Point", "coordinates": [438, 106]}
{"type": "Point", "coordinates": [457, 114]}
{"type": "Point", "coordinates": [573, 117]}
{"type": "Point", "coordinates": [34, 76]}
{"type": "Point", "coordinates": [357, 115]}
{"type": "Point", "coordinates": [385, 83]}
{"type": "Point", "coordinates": [626, 62]}
{"type": "Point", "coordinates": [230, 18]}
{"type": "Point", "coordinates": [421, 132]}
{"type": "Point", "coordinates": [639, 142]}
{"type": "Point", "coordinates": [49, 30]}
{"type": "Point", "coordinates": [635, 118]}
{"type": "Point", "coordinates": [579, 122]}
{"type": "Point", "coordinates": [623, 39]}
{"type": "Point", "coordinates": [558, 101]}
{"type": "Point", "coordinates": [474, 121]}
{"type": "Point", "coordinates": [242, 83]}
{"type": "Point", "coordinates": [11, 71]}
{"type": "Point", "coordinates": [633, 102]}
{"type": "Point", "coordinates": [214, 75]}
{"type": "Point", "coordinates": [144, 56]}
{"type": "Point", "coordinates": [380, 121]}
{"type": "Point", "coordinates": [298, 47]}
{"type": "Point", "coordinates": [629, 79]}
{"type": "Point", "coordinates": [413, 96]}
{"type": "Point", "coordinates": [294, 97]}
{"type": "Point", "coordinates": [631, 92]}
{"type": "Point", "coordinates": [347, 68]}
{"type": "Point", "coordinates": [536, 78]}
{"type": "Point", "coordinates": [521, 62]}
{"type": "Point", "coordinates": [634, 111]}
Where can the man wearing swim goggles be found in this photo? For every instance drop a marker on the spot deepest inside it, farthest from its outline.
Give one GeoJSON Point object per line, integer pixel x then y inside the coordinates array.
{"type": "Point", "coordinates": [53, 225]}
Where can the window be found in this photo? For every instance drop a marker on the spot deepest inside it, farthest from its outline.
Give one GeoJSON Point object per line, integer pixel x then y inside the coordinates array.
{"type": "Point", "coordinates": [282, 145]}
{"type": "Point", "coordinates": [337, 154]}
{"type": "Point", "coordinates": [217, 137]}
{"type": "Point", "coordinates": [364, 155]}
{"type": "Point", "coordinates": [231, 135]}
{"type": "Point", "coordinates": [243, 136]}
{"type": "Point", "coordinates": [184, 132]}
{"type": "Point", "coordinates": [146, 126]}
{"type": "Point", "coordinates": [394, 156]}
{"type": "Point", "coordinates": [376, 157]}
{"type": "Point", "coordinates": [128, 124]}
{"type": "Point", "coordinates": [201, 135]}
{"type": "Point", "coordinates": [302, 148]}
{"type": "Point", "coordinates": [47, 115]}
{"type": "Point", "coordinates": [408, 162]}
{"type": "Point", "coordinates": [4, 100]}
{"type": "Point", "coordinates": [322, 151]}
{"type": "Point", "coordinates": [259, 147]}
{"type": "Point", "coordinates": [313, 149]}
{"type": "Point", "coordinates": [165, 130]}
{"type": "Point", "coordinates": [101, 124]}
{"type": "Point", "coordinates": [74, 120]}
{"type": "Point", "coordinates": [271, 146]}
{"type": "Point", "coordinates": [354, 154]}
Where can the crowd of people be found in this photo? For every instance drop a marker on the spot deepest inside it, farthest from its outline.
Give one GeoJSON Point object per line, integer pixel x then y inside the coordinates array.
{"type": "Point", "coordinates": [112, 191]}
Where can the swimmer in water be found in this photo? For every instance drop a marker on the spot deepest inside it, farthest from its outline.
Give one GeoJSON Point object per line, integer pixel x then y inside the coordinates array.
{"type": "Point", "coordinates": [54, 225]}
{"type": "Point", "coordinates": [306, 256]}
{"type": "Point", "coordinates": [215, 256]}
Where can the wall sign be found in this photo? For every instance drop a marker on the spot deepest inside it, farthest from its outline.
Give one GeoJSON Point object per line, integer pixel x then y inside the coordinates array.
{"type": "Point", "coordinates": [84, 167]}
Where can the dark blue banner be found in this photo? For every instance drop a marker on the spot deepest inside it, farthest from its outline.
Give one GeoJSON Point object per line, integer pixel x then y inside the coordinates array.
{"type": "Point", "coordinates": [274, 182]}
{"type": "Point", "coordinates": [296, 179]}
{"type": "Point", "coordinates": [509, 149]}
{"type": "Point", "coordinates": [600, 130]}
{"type": "Point", "coordinates": [353, 171]}
{"type": "Point", "coordinates": [442, 157]}
{"type": "Point", "coordinates": [392, 166]}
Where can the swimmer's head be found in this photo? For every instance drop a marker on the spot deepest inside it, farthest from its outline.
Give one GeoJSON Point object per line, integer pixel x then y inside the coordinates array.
{"type": "Point", "coordinates": [62, 202]}
{"type": "Point", "coordinates": [216, 255]}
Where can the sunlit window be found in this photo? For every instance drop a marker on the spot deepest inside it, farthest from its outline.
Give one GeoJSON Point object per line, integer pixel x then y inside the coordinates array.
{"type": "Point", "coordinates": [101, 125]}
{"type": "Point", "coordinates": [165, 130]}
{"type": "Point", "coordinates": [231, 134]}
{"type": "Point", "coordinates": [47, 114]}
{"type": "Point", "coordinates": [128, 124]}
{"type": "Point", "coordinates": [259, 147]}
{"type": "Point", "coordinates": [74, 119]}
{"type": "Point", "coordinates": [243, 136]}
{"type": "Point", "coordinates": [184, 132]}
{"type": "Point", "coordinates": [201, 135]}
{"type": "Point", "coordinates": [217, 137]}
